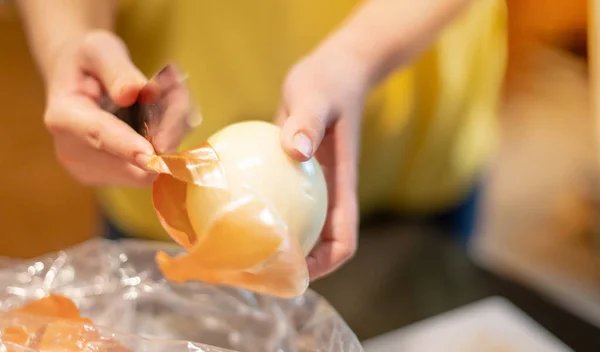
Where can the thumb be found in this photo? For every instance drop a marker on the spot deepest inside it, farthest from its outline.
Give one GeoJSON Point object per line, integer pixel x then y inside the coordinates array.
{"type": "Point", "coordinates": [106, 57]}
{"type": "Point", "coordinates": [303, 131]}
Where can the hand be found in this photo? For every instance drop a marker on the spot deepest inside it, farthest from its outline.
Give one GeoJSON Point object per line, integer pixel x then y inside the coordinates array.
{"type": "Point", "coordinates": [92, 144]}
{"type": "Point", "coordinates": [320, 115]}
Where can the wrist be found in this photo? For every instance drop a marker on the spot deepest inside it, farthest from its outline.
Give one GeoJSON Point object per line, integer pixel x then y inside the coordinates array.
{"type": "Point", "coordinates": [369, 60]}
{"type": "Point", "coordinates": [345, 53]}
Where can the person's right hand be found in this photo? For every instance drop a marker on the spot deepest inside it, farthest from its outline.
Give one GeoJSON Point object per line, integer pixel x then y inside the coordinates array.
{"type": "Point", "coordinates": [94, 145]}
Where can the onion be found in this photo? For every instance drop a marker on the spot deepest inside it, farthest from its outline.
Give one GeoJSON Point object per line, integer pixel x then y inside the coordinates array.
{"type": "Point", "coordinates": [246, 213]}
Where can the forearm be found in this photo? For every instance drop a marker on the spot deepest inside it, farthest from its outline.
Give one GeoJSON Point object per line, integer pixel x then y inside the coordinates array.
{"type": "Point", "coordinates": [387, 34]}
{"type": "Point", "coordinates": [51, 24]}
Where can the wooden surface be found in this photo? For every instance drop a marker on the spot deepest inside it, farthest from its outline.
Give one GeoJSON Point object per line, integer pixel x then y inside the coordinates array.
{"type": "Point", "coordinates": [41, 208]}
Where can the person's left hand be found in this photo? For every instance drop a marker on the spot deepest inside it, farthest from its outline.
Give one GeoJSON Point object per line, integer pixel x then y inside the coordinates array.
{"type": "Point", "coordinates": [320, 115]}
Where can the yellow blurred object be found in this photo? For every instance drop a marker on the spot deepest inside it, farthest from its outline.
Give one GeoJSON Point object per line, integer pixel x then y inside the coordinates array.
{"type": "Point", "coordinates": [42, 208]}
{"type": "Point", "coordinates": [246, 213]}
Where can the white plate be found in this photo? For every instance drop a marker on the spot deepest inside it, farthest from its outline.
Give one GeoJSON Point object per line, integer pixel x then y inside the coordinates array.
{"type": "Point", "coordinates": [490, 325]}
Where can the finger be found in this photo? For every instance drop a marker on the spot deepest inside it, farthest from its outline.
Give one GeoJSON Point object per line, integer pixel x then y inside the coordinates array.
{"type": "Point", "coordinates": [178, 92]}
{"type": "Point", "coordinates": [281, 116]}
{"type": "Point", "coordinates": [176, 113]}
{"type": "Point", "coordinates": [91, 87]}
{"type": "Point", "coordinates": [338, 242]}
{"type": "Point", "coordinates": [106, 57]}
{"type": "Point", "coordinates": [81, 119]}
{"type": "Point", "coordinates": [95, 168]}
{"type": "Point", "coordinates": [340, 233]}
{"type": "Point", "coordinates": [173, 128]}
{"type": "Point", "coordinates": [304, 129]}
{"type": "Point", "coordinates": [326, 258]}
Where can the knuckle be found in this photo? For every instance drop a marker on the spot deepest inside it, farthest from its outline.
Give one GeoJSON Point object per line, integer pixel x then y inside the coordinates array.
{"type": "Point", "coordinates": [95, 139]}
{"type": "Point", "coordinates": [313, 119]}
{"type": "Point", "coordinates": [350, 250]}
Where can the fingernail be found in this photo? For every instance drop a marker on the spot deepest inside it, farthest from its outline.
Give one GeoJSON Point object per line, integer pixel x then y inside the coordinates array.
{"type": "Point", "coordinates": [194, 119]}
{"type": "Point", "coordinates": [143, 160]}
{"type": "Point", "coordinates": [129, 83]}
{"type": "Point", "coordinates": [127, 93]}
{"type": "Point", "coordinates": [303, 144]}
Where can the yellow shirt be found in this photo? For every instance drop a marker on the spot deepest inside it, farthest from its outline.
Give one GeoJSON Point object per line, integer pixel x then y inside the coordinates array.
{"type": "Point", "coordinates": [428, 129]}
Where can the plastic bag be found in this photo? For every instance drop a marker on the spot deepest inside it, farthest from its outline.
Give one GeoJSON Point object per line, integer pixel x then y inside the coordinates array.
{"type": "Point", "coordinates": [222, 201]}
{"type": "Point", "coordinates": [118, 286]}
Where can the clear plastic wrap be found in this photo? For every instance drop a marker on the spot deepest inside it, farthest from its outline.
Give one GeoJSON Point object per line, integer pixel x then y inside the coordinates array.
{"type": "Point", "coordinates": [118, 286]}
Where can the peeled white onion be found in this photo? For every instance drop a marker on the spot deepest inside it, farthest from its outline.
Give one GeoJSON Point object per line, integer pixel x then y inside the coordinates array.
{"type": "Point", "coordinates": [255, 165]}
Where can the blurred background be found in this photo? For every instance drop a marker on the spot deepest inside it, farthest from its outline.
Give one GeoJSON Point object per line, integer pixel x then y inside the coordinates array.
{"type": "Point", "coordinates": [537, 241]}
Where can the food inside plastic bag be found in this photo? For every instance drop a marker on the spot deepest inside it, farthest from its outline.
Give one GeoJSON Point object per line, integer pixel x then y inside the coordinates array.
{"type": "Point", "coordinates": [52, 306]}
{"type": "Point", "coordinates": [53, 323]}
{"type": "Point", "coordinates": [118, 286]}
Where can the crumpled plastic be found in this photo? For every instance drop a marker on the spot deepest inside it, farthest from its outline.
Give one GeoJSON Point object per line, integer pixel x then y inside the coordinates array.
{"type": "Point", "coordinates": [118, 286]}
